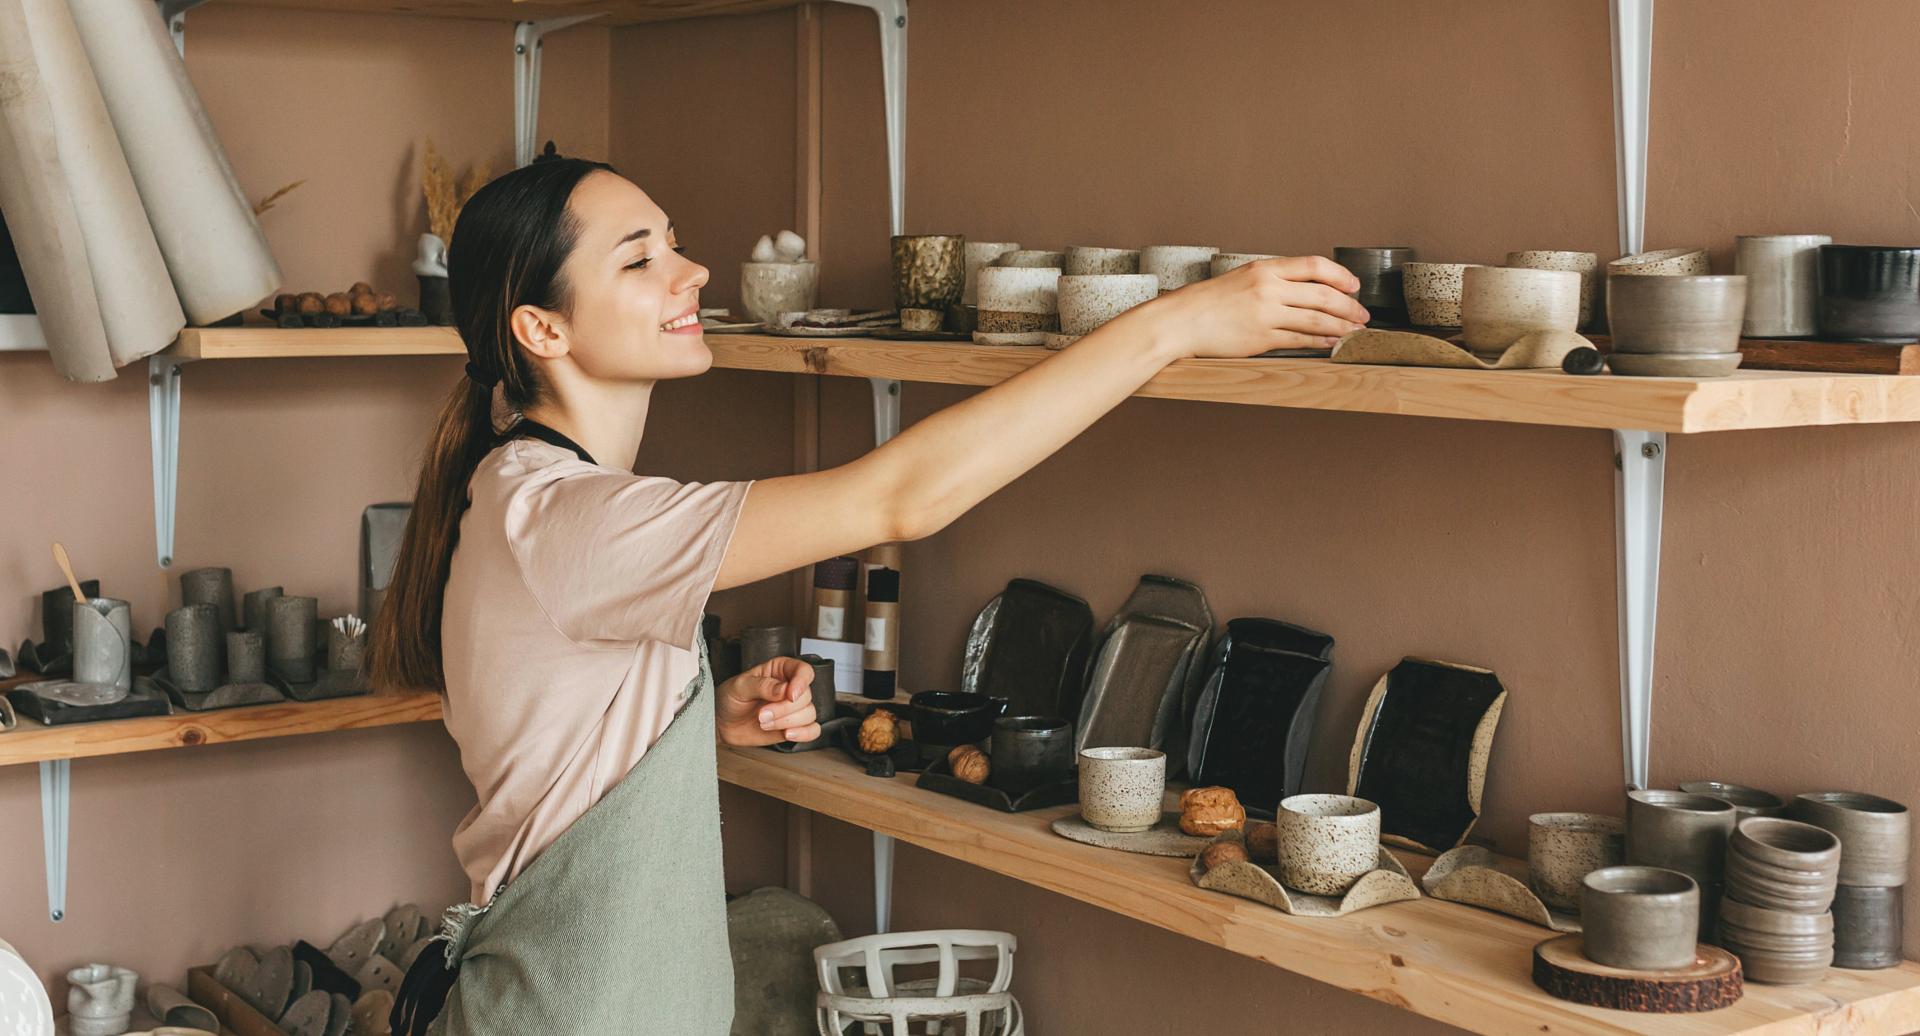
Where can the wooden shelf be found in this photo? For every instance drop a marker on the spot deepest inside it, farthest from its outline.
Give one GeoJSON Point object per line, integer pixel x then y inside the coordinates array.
{"type": "Point", "coordinates": [617, 12]}
{"type": "Point", "coordinates": [31, 742]}
{"type": "Point", "coordinates": [262, 343]}
{"type": "Point", "coordinates": [1454, 963]}
{"type": "Point", "coordinates": [1746, 399]}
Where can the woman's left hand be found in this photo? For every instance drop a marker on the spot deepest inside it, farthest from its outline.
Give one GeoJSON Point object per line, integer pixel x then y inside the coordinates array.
{"type": "Point", "coordinates": [768, 704]}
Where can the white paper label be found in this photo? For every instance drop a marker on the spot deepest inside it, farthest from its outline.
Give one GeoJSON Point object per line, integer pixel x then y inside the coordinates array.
{"type": "Point", "coordinates": [877, 633]}
{"type": "Point", "coordinates": [829, 623]}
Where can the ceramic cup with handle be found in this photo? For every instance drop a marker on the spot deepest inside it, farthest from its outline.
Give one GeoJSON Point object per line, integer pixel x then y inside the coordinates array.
{"type": "Point", "coordinates": [1327, 842]}
{"type": "Point", "coordinates": [1121, 789]}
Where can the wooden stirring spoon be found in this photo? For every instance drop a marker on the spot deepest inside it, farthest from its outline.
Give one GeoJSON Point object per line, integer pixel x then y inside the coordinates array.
{"type": "Point", "coordinates": [66, 567]}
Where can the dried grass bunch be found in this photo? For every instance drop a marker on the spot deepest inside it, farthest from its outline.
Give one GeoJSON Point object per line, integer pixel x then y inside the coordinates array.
{"type": "Point", "coordinates": [444, 198]}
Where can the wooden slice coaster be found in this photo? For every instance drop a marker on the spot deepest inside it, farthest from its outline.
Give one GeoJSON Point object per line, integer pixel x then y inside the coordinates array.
{"type": "Point", "coordinates": [1712, 981]}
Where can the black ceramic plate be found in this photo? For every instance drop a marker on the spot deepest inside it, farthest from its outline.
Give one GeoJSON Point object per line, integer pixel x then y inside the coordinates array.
{"type": "Point", "coordinates": [938, 776]}
{"type": "Point", "coordinates": [1256, 711]}
{"type": "Point", "coordinates": [1415, 756]}
{"type": "Point", "coordinates": [144, 700]}
{"type": "Point", "coordinates": [1029, 646]}
{"type": "Point", "coordinates": [1137, 684]}
{"type": "Point", "coordinates": [1172, 600]}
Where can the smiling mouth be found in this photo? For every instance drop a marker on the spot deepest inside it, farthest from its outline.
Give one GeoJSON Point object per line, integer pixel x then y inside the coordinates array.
{"type": "Point", "coordinates": [686, 319]}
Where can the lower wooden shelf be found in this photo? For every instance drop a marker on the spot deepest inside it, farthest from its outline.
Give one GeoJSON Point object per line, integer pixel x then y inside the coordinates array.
{"type": "Point", "coordinates": [1454, 963]}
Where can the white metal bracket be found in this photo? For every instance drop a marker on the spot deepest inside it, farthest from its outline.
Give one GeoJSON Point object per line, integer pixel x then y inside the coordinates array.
{"type": "Point", "coordinates": [1640, 471]}
{"type": "Point", "coordinates": [56, 789]}
{"type": "Point", "coordinates": [526, 80]}
{"type": "Point", "coordinates": [1632, 80]}
{"type": "Point", "coordinates": [163, 433]}
{"type": "Point", "coordinates": [174, 13]}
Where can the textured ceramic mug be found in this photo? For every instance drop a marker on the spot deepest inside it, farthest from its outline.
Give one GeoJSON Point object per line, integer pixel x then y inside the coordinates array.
{"type": "Point", "coordinates": [1874, 834]}
{"type": "Point", "coordinates": [1644, 918]}
{"type": "Point", "coordinates": [1433, 292]}
{"type": "Point", "coordinates": [976, 255]}
{"type": "Point", "coordinates": [1782, 865]}
{"type": "Point", "coordinates": [1563, 848]}
{"type": "Point", "coordinates": [1586, 264]}
{"type": "Point", "coordinates": [210, 586]}
{"type": "Point", "coordinates": [1177, 265]}
{"type": "Point", "coordinates": [770, 289]}
{"type": "Point", "coordinates": [291, 622]}
{"type": "Point", "coordinates": [1499, 305]}
{"type": "Point", "coordinates": [763, 643]}
{"type": "Point", "coordinates": [1088, 301]}
{"type": "Point", "coordinates": [1327, 842]}
{"type": "Point", "coordinates": [1121, 789]}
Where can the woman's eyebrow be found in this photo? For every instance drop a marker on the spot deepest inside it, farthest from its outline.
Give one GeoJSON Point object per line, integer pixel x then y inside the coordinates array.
{"type": "Point", "coordinates": [643, 232]}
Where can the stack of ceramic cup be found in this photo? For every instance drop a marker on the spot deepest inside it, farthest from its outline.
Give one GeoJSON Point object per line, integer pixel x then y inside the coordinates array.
{"type": "Point", "coordinates": [1780, 881]}
{"type": "Point", "coordinates": [1875, 838]}
{"type": "Point", "coordinates": [1089, 300]}
{"type": "Point", "coordinates": [1682, 832]}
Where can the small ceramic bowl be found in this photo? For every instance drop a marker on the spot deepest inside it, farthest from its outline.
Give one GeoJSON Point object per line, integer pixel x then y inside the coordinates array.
{"type": "Point", "coordinates": [929, 270]}
{"type": "Point", "coordinates": [1747, 802]}
{"type": "Point", "coordinates": [1378, 268]}
{"type": "Point", "coordinates": [1665, 262]}
{"type": "Point", "coordinates": [1121, 789]}
{"type": "Point", "coordinates": [1869, 293]}
{"type": "Point", "coordinates": [953, 717]}
{"type": "Point", "coordinates": [1327, 842]}
{"type": "Point", "coordinates": [1875, 834]}
{"type": "Point", "coordinates": [1177, 265]}
{"type": "Point", "coordinates": [1499, 305]}
{"type": "Point", "coordinates": [1027, 749]}
{"type": "Point", "coordinates": [1563, 848]}
{"type": "Point", "coordinates": [1586, 264]}
{"type": "Point", "coordinates": [1090, 300]}
{"type": "Point", "coordinates": [1692, 321]}
{"type": "Point", "coordinates": [1782, 865]}
{"type": "Point", "coordinates": [770, 289]}
{"type": "Point", "coordinates": [1229, 261]}
{"type": "Point", "coordinates": [1783, 282]}
{"type": "Point", "coordinates": [1031, 259]}
{"type": "Point", "coordinates": [1085, 260]}
{"type": "Point", "coordinates": [978, 254]}
{"type": "Point", "coordinates": [1777, 947]}
{"type": "Point", "coordinates": [1433, 293]}
{"type": "Point", "coordinates": [1644, 918]}
{"type": "Point", "coordinates": [1019, 300]}
{"type": "Point", "coordinates": [922, 319]}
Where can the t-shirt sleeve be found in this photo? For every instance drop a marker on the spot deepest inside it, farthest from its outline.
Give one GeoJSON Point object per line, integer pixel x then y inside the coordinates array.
{"type": "Point", "coordinates": [619, 557]}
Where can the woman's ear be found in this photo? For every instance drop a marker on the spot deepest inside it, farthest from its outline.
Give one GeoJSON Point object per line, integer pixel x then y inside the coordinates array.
{"type": "Point", "coordinates": [541, 332]}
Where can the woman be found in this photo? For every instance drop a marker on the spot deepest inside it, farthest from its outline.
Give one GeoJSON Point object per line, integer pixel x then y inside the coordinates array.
{"type": "Point", "coordinates": [555, 598]}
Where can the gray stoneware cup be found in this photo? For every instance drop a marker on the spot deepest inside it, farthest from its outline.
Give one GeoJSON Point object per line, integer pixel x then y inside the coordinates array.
{"type": "Point", "coordinates": [1782, 865]}
{"type": "Point", "coordinates": [210, 586]}
{"type": "Point", "coordinates": [1866, 927]}
{"type": "Point", "coordinates": [1121, 789]}
{"type": "Point", "coordinates": [290, 625]}
{"type": "Point", "coordinates": [253, 608]}
{"type": "Point", "coordinates": [825, 699]}
{"type": "Point", "coordinates": [1747, 802]}
{"type": "Point", "coordinates": [1783, 283]}
{"type": "Point", "coordinates": [1643, 918]}
{"type": "Point", "coordinates": [1682, 832]}
{"type": "Point", "coordinates": [1778, 947]}
{"type": "Point", "coordinates": [1649, 313]}
{"type": "Point", "coordinates": [194, 645]}
{"type": "Point", "coordinates": [103, 642]}
{"type": "Point", "coordinates": [1875, 834]}
{"type": "Point", "coordinates": [1563, 848]}
{"type": "Point", "coordinates": [246, 656]}
{"type": "Point", "coordinates": [764, 643]}
{"type": "Point", "coordinates": [1031, 748]}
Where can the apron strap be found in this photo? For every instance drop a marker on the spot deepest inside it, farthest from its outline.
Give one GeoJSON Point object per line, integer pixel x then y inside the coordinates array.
{"type": "Point", "coordinates": [423, 992]}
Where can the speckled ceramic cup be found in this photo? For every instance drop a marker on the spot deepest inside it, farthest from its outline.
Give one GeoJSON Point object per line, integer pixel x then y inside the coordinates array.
{"type": "Point", "coordinates": [1177, 265]}
{"type": "Point", "coordinates": [1433, 293]}
{"type": "Point", "coordinates": [1084, 260]}
{"type": "Point", "coordinates": [1226, 262]}
{"type": "Point", "coordinates": [1640, 917]}
{"type": "Point", "coordinates": [1121, 789]}
{"type": "Point", "coordinates": [1088, 301]}
{"type": "Point", "coordinates": [1663, 262]}
{"type": "Point", "coordinates": [1782, 865]}
{"type": "Point", "coordinates": [976, 255]}
{"type": "Point", "coordinates": [1018, 301]}
{"type": "Point", "coordinates": [1875, 834]}
{"type": "Point", "coordinates": [1586, 264]}
{"type": "Point", "coordinates": [1563, 848]}
{"type": "Point", "coordinates": [1747, 802]}
{"type": "Point", "coordinates": [1499, 304]}
{"type": "Point", "coordinates": [1031, 259]}
{"type": "Point", "coordinates": [1327, 842]}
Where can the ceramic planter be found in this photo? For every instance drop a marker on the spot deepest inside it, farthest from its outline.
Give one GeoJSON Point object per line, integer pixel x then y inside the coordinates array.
{"type": "Point", "coordinates": [1177, 265]}
{"type": "Point", "coordinates": [1777, 946]}
{"type": "Point", "coordinates": [929, 270]}
{"type": "Point", "coordinates": [1499, 305]}
{"type": "Point", "coordinates": [1432, 293]}
{"type": "Point", "coordinates": [1782, 865]}
{"type": "Point", "coordinates": [952, 717]}
{"type": "Point", "coordinates": [1378, 268]}
{"type": "Point", "coordinates": [291, 622]}
{"type": "Point", "coordinates": [1664, 262]}
{"type": "Point", "coordinates": [210, 586]}
{"type": "Point", "coordinates": [770, 289]}
{"type": "Point", "coordinates": [1327, 842]}
{"type": "Point", "coordinates": [1747, 802]}
{"type": "Point", "coordinates": [1121, 789]}
{"type": "Point", "coordinates": [1866, 927]}
{"type": "Point", "coordinates": [99, 1000]}
{"type": "Point", "coordinates": [1586, 264]}
{"type": "Point", "coordinates": [976, 255]}
{"type": "Point", "coordinates": [194, 646]}
{"type": "Point", "coordinates": [1030, 749]}
{"type": "Point", "coordinates": [1083, 260]}
{"type": "Point", "coordinates": [1693, 323]}
{"type": "Point", "coordinates": [1682, 832]}
{"type": "Point", "coordinates": [1226, 262]}
{"type": "Point", "coordinates": [103, 642]}
{"type": "Point", "coordinates": [1088, 301]}
{"type": "Point", "coordinates": [1783, 283]}
{"type": "Point", "coordinates": [1643, 918]}
{"type": "Point", "coordinates": [1563, 848]}
{"type": "Point", "coordinates": [1032, 259]}
{"type": "Point", "coordinates": [1869, 293]}
{"type": "Point", "coordinates": [1874, 834]}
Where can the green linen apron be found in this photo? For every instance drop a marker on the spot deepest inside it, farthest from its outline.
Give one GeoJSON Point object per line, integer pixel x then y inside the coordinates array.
{"type": "Point", "coordinates": [620, 926]}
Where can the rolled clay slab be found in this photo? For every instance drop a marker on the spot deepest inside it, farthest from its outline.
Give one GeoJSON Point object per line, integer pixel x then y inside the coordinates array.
{"type": "Point", "coordinates": [1539, 350]}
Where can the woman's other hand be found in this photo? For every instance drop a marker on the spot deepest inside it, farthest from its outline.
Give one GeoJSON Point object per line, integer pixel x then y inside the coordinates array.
{"type": "Point", "coordinates": [1303, 302]}
{"type": "Point", "coordinates": [768, 704]}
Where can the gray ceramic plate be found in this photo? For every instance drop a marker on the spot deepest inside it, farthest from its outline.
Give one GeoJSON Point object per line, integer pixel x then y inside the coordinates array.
{"type": "Point", "coordinates": [1138, 681]}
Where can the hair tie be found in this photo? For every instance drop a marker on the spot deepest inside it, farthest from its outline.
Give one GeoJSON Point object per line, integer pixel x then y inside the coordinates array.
{"type": "Point", "coordinates": [480, 377]}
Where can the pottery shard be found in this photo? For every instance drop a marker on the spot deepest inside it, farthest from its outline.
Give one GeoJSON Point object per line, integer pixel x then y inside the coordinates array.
{"type": "Point", "coordinates": [398, 934]}
{"type": "Point", "coordinates": [272, 984]}
{"type": "Point", "coordinates": [339, 1014]}
{"type": "Point", "coordinates": [308, 1015]}
{"type": "Point", "coordinates": [235, 969]}
{"type": "Point", "coordinates": [370, 1014]}
{"type": "Point", "coordinates": [379, 973]}
{"type": "Point", "coordinates": [351, 951]}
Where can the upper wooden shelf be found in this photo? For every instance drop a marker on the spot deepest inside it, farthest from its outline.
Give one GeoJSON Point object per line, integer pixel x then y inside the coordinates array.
{"type": "Point", "coordinates": [616, 12]}
{"type": "Point", "coordinates": [258, 343]}
{"type": "Point", "coordinates": [1454, 963]}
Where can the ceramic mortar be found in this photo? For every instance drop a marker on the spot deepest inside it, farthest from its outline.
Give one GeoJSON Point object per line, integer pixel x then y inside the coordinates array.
{"type": "Point", "coordinates": [1783, 282]}
{"type": "Point", "coordinates": [1586, 264]}
{"type": "Point", "coordinates": [1121, 789]}
{"type": "Point", "coordinates": [103, 642]}
{"type": "Point", "coordinates": [1563, 848]}
{"type": "Point", "coordinates": [1644, 918]}
{"type": "Point", "coordinates": [1498, 305]}
{"type": "Point", "coordinates": [1084, 260]}
{"type": "Point", "coordinates": [1327, 842]}
{"type": "Point", "coordinates": [1177, 265]}
{"type": "Point", "coordinates": [1086, 302]}
{"type": "Point", "coordinates": [1875, 834]}
{"type": "Point", "coordinates": [976, 255]}
{"type": "Point", "coordinates": [770, 289]}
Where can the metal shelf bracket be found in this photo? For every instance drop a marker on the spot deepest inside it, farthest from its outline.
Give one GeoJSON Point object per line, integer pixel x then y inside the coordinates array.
{"type": "Point", "coordinates": [56, 789]}
{"type": "Point", "coordinates": [526, 80]}
{"type": "Point", "coordinates": [1640, 471]}
{"type": "Point", "coordinates": [163, 433]}
{"type": "Point", "coordinates": [1632, 80]}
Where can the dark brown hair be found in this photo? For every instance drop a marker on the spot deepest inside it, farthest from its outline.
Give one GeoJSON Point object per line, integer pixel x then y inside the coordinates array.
{"type": "Point", "coordinates": [508, 248]}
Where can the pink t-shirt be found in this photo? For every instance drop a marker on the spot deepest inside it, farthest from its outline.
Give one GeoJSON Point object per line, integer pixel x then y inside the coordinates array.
{"type": "Point", "coordinates": [567, 636]}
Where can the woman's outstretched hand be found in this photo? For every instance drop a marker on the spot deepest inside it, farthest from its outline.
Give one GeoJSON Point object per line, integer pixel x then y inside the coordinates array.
{"type": "Point", "coordinates": [768, 704]}
{"type": "Point", "coordinates": [1296, 303]}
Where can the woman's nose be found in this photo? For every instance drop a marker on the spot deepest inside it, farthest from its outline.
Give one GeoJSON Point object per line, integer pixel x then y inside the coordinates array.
{"type": "Point", "coordinates": [693, 277]}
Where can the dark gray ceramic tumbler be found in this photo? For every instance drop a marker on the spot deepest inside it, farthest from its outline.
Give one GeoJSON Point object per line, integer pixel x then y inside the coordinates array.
{"type": "Point", "coordinates": [1032, 748]}
{"type": "Point", "coordinates": [195, 643]}
{"type": "Point", "coordinates": [246, 657]}
{"type": "Point", "coordinates": [253, 609]}
{"type": "Point", "coordinates": [1866, 927]}
{"type": "Point", "coordinates": [290, 626]}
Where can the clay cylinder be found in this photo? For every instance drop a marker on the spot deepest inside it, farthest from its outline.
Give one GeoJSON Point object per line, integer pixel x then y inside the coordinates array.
{"type": "Point", "coordinates": [1866, 928]}
{"type": "Point", "coordinates": [103, 642]}
{"type": "Point", "coordinates": [194, 644]}
{"type": "Point", "coordinates": [763, 643]}
{"type": "Point", "coordinates": [246, 656]}
{"type": "Point", "coordinates": [345, 651]}
{"type": "Point", "coordinates": [824, 698]}
{"type": "Point", "coordinates": [210, 586]}
{"type": "Point", "coordinates": [253, 609]}
{"type": "Point", "coordinates": [290, 623]}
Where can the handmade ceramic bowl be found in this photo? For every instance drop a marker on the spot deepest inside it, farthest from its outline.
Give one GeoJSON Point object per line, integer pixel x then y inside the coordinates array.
{"type": "Point", "coordinates": [1084, 260]}
{"type": "Point", "coordinates": [1682, 832]}
{"type": "Point", "coordinates": [1433, 293]}
{"type": "Point", "coordinates": [1031, 259]}
{"type": "Point", "coordinates": [1563, 848]}
{"type": "Point", "coordinates": [1378, 268]}
{"type": "Point", "coordinates": [1782, 865]}
{"type": "Point", "coordinates": [1869, 293]}
{"type": "Point", "coordinates": [1675, 316]}
{"type": "Point", "coordinates": [1586, 264]}
{"type": "Point", "coordinates": [1088, 301]}
{"type": "Point", "coordinates": [770, 289]}
{"type": "Point", "coordinates": [1644, 918]}
{"type": "Point", "coordinates": [1028, 749]}
{"type": "Point", "coordinates": [1018, 300]}
{"type": "Point", "coordinates": [1177, 265]}
{"type": "Point", "coordinates": [929, 270]}
{"type": "Point", "coordinates": [1327, 842]}
{"type": "Point", "coordinates": [1121, 789]}
{"type": "Point", "coordinates": [953, 717]}
{"type": "Point", "coordinates": [1229, 261]}
{"type": "Point", "coordinates": [1867, 927]}
{"type": "Point", "coordinates": [1747, 802]}
{"type": "Point", "coordinates": [1664, 262]}
{"type": "Point", "coordinates": [977, 254]}
{"type": "Point", "coordinates": [1874, 834]}
{"type": "Point", "coordinates": [1499, 305]}
{"type": "Point", "coordinates": [1783, 282]}
{"type": "Point", "coordinates": [922, 319]}
{"type": "Point", "coordinates": [1776, 946]}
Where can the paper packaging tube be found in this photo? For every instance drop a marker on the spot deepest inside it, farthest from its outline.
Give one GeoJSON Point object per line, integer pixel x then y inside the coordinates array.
{"type": "Point", "coordinates": [345, 651]}
{"type": "Point", "coordinates": [882, 654]}
{"type": "Point", "coordinates": [833, 581]}
{"type": "Point", "coordinates": [103, 642]}
{"type": "Point", "coordinates": [210, 586]}
{"type": "Point", "coordinates": [194, 643]}
{"type": "Point", "coordinates": [290, 625]}
{"type": "Point", "coordinates": [253, 608]}
{"type": "Point", "coordinates": [246, 656]}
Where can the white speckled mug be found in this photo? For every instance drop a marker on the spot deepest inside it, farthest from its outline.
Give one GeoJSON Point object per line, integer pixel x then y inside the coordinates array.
{"type": "Point", "coordinates": [1327, 842]}
{"type": "Point", "coordinates": [1088, 301]}
{"type": "Point", "coordinates": [1121, 789]}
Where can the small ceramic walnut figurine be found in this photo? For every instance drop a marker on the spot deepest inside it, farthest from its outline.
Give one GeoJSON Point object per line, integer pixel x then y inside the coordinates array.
{"type": "Point", "coordinates": [876, 732]}
{"type": "Point", "coordinates": [1220, 853]}
{"type": "Point", "coordinates": [969, 764]}
{"type": "Point", "coordinates": [1208, 811]}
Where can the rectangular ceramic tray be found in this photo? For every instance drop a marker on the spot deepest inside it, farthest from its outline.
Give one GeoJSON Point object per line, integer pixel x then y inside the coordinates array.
{"type": "Point", "coordinates": [138, 702]}
{"type": "Point", "coordinates": [938, 776]}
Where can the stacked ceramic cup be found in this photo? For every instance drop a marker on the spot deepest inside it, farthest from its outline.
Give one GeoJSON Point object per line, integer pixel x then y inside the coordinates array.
{"type": "Point", "coordinates": [1781, 876]}
{"type": "Point", "coordinates": [1018, 305]}
{"type": "Point", "coordinates": [1681, 832]}
{"type": "Point", "coordinates": [1875, 837]}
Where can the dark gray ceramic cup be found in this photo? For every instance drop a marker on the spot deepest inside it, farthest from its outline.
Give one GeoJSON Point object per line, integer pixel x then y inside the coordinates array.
{"type": "Point", "coordinates": [1875, 834]}
{"type": "Point", "coordinates": [1645, 918]}
{"type": "Point", "coordinates": [194, 645]}
{"type": "Point", "coordinates": [246, 656]}
{"type": "Point", "coordinates": [290, 625]}
{"type": "Point", "coordinates": [253, 608]}
{"type": "Point", "coordinates": [1866, 927]}
{"type": "Point", "coordinates": [764, 643]}
{"type": "Point", "coordinates": [210, 586]}
{"type": "Point", "coordinates": [824, 697]}
{"type": "Point", "coordinates": [1032, 748]}
{"type": "Point", "coordinates": [1869, 293]}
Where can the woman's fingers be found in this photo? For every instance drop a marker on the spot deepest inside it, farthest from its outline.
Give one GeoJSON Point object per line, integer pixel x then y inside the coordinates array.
{"type": "Point", "coordinates": [787, 715]}
{"type": "Point", "coordinates": [1296, 340]}
{"type": "Point", "coordinates": [1314, 322]}
{"type": "Point", "coordinates": [1314, 268]}
{"type": "Point", "coordinates": [1311, 295]}
{"type": "Point", "coordinates": [802, 734]}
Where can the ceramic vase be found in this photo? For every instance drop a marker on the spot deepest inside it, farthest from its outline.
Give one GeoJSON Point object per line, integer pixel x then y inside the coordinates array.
{"type": "Point", "coordinates": [769, 289]}
{"type": "Point", "coordinates": [1086, 302]}
{"type": "Point", "coordinates": [210, 586]}
{"type": "Point", "coordinates": [1783, 283]}
{"type": "Point", "coordinates": [1867, 927]}
{"type": "Point", "coordinates": [103, 642]}
{"type": "Point", "coordinates": [1018, 305]}
{"type": "Point", "coordinates": [1681, 832]}
{"type": "Point", "coordinates": [1644, 918]}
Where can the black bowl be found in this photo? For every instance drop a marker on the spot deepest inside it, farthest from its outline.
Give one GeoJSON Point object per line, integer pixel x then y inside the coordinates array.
{"type": "Point", "coordinates": [952, 717]}
{"type": "Point", "coordinates": [1869, 293]}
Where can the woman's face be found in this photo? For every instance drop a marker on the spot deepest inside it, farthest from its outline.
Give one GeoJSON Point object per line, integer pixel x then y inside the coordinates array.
{"type": "Point", "coordinates": [635, 298]}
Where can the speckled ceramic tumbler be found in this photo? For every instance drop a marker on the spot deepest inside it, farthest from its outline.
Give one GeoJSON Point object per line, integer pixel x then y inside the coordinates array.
{"type": "Point", "coordinates": [194, 645]}
{"type": "Point", "coordinates": [290, 625]}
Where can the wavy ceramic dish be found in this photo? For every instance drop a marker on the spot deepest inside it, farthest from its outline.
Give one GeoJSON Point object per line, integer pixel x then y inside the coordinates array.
{"type": "Point", "coordinates": [1421, 750]}
{"type": "Point", "coordinates": [1256, 710]}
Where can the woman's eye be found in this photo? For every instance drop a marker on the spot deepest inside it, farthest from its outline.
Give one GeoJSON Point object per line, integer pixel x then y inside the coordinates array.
{"type": "Point", "coordinates": [679, 249]}
{"type": "Point", "coordinates": [641, 263]}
